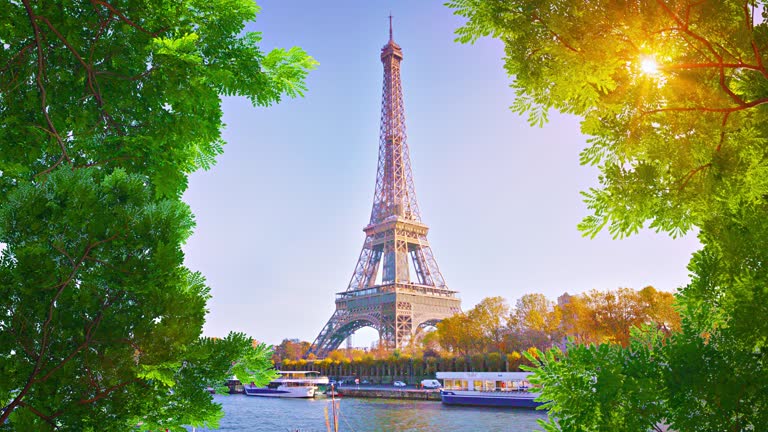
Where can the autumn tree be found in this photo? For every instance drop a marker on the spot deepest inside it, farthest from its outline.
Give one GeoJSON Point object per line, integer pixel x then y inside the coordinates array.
{"type": "Point", "coordinates": [489, 317]}
{"type": "Point", "coordinates": [336, 355]}
{"type": "Point", "coordinates": [672, 95]}
{"type": "Point", "coordinates": [479, 330]}
{"type": "Point", "coordinates": [614, 313]}
{"type": "Point", "coordinates": [430, 342]}
{"type": "Point", "coordinates": [660, 309]}
{"type": "Point", "coordinates": [458, 334]}
{"type": "Point", "coordinates": [105, 108]}
{"type": "Point", "coordinates": [292, 349]}
{"type": "Point", "coordinates": [577, 321]}
{"type": "Point", "coordinates": [535, 321]}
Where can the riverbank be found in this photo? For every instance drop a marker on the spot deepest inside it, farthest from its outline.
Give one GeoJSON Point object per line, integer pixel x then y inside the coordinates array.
{"type": "Point", "coordinates": [391, 393]}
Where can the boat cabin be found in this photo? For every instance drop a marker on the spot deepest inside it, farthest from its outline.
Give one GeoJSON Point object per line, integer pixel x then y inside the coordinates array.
{"type": "Point", "coordinates": [486, 381]}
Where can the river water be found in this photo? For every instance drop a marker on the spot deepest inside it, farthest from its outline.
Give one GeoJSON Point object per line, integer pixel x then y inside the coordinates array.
{"type": "Point", "coordinates": [245, 413]}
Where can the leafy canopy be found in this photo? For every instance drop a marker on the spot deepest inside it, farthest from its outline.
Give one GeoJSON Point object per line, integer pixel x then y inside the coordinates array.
{"type": "Point", "coordinates": [601, 388]}
{"type": "Point", "coordinates": [105, 107]}
{"type": "Point", "coordinates": [671, 146]}
{"type": "Point", "coordinates": [672, 94]}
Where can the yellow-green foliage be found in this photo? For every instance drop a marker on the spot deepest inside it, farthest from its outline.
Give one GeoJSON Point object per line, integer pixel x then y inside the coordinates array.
{"type": "Point", "coordinates": [680, 147]}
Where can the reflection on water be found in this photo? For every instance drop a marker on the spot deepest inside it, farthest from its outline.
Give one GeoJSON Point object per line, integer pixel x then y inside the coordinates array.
{"type": "Point", "coordinates": [244, 413]}
{"type": "Point", "coordinates": [401, 415]}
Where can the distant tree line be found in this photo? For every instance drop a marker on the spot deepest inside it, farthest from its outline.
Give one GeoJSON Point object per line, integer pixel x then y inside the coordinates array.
{"type": "Point", "coordinates": [492, 336]}
{"type": "Point", "coordinates": [535, 321]}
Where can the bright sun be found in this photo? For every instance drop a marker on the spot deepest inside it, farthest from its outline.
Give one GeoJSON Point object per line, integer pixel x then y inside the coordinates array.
{"type": "Point", "coordinates": [649, 66]}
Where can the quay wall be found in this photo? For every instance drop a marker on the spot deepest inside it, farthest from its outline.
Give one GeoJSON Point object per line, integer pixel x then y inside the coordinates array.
{"type": "Point", "coordinates": [390, 394]}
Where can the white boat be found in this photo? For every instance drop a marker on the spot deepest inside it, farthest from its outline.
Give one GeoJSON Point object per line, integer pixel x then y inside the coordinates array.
{"type": "Point", "coordinates": [290, 384]}
{"type": "Point", "coordinates": [502, 389]}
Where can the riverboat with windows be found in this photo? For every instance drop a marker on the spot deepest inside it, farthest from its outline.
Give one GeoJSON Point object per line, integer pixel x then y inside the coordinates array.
{"type": "Point", "coordinates": [500, 389]}
{"type": "Point", "coordinates": [290, 384]}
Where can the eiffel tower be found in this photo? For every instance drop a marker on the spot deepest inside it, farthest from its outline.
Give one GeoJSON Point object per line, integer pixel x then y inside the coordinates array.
{"type": "Point", "coordinates": [392, 303]}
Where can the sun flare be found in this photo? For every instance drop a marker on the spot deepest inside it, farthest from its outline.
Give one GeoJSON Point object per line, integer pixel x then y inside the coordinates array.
{"type": "Point", "coordinates": [649, 66]}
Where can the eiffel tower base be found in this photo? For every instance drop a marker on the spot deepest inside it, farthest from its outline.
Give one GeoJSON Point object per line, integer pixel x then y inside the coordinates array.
{"type": "Point", "coordinates": [398, 312]}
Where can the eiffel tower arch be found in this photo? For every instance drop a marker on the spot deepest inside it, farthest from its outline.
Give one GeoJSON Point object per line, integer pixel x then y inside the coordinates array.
{"type": "Point", "coordinates": [397, 287]}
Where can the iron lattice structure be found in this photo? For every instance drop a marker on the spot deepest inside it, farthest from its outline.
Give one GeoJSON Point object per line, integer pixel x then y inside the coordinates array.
{"type": "Point", "coordinates": [395, 305]}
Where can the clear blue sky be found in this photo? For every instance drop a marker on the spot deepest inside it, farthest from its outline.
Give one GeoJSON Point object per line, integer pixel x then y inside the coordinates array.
{"type": "Point", "coordinates": [280, 217]}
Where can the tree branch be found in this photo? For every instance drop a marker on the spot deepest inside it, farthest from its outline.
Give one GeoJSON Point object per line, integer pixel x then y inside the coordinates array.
{"type": "Point", "coordinates": [106, 264]}
{"type": "Point", "coordinates": [63, 252]}
{"type": "Point", "coordinates": [692, 173]}
{"type": "Point", "coordinates": [125, 18]}
{"type": "Point", "coordinates": [707, 65]}
{"type": "Point", "coordinates": [102, 27]}
{"type": "Point", "coordinates": [64, 41]}
{"type": "Point", "coordinates": [537, 18]}
{"type": "Point", "coordinates": [93, 84]}
{"type": "Point", "coordinates": [34, 411]}
{"type": "Point", "coordinates": [723, 85]}
{"type": "Point", "coordinates": [46, 330]}
{"type": "Point", "coordinates": [27, 350]}
{"type": "Point", "coordinates": [107, 391]}
{"type": "Point", "coordinates": [722, 131]}
{"type": "Point", "coordinates": [720, 63]}
{"type": "Point", "coordinates": [759, 59]}
{"type": "Point", "coordinates": [18, 55]}
{"type": "Point", "coordinates": [91, 377]}
{"type": "Point", "coordinates": [684, 28]}
{"type": "Point", "coordinates": [746, 105]}
{"type": "Point", "coordinates": [41, 86]}
{"type": "Point", "coordinates": [87, 339]}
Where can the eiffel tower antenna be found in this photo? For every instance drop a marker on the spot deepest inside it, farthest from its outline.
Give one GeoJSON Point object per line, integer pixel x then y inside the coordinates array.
{"type": "Point", "coordinates": [395, 304]}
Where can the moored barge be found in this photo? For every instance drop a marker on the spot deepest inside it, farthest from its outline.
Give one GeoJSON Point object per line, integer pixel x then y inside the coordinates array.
{"type": "Point", "coordinates": [498, 389]}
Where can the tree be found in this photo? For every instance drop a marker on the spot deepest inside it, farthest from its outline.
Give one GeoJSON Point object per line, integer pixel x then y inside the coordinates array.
{"type": "Point", "coordinates": [535, 321]}
{"type": "Point", "coordinates": [105, 108]}
{"type": "Point", "coordinates": [601, 387]}
{"type": "Point", "coordinates": [457, 334]}
{"type": "Point", "coordinates": [290, 349]}
{"type": "Point", "coordinates": [672, 94]}
{"type": "Point", "coordinates": [478, 330]}
{"type": "Point", "coordinates": [660, 309]}
{"type": "Point", "coordinates": [430, 342]}
{"type": "Point", "coordinates": [531, 312]}
{"type": "Point", "coordinates": [577, 319]}
{"type": "Point", "coordinates": [488, 316]}
{"type": "Point", "coordinates": [608, 316]}
{"type": "Point", "coordinates": [614, 313]}
{"type": "Point", "coordinates": [494, 362]}
{"type": "Point", "coordinates": [336, 355]}
{"type": "Point", "coordinates": [513, 361]}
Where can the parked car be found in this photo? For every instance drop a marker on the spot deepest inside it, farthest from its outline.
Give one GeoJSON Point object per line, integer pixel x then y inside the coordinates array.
{"type": "Point", "coordinates": [365, 382]}
{"type": "Point", "coordinates": [430, 384]}
{"type": "Point", "coordinates": [398, 384]}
